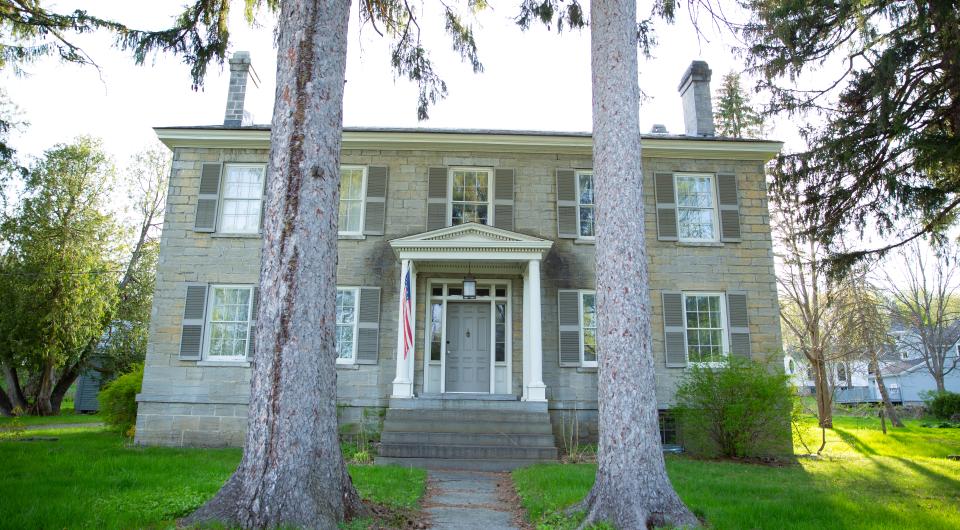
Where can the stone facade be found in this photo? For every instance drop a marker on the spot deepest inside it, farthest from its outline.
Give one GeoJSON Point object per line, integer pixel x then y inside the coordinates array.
{"type": "Point", "coordinates": [199, 403]}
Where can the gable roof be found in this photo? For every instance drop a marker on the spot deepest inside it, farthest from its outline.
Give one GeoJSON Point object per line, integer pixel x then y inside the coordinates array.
{"type": "Point", "coordinates": [470, 241]}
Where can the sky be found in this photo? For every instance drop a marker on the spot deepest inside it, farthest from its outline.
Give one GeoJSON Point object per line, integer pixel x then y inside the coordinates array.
{"type": "Point", "coordinates": [534, 80]}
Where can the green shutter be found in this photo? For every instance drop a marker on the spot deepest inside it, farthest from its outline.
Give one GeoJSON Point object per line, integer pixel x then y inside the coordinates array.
{"type": "Point", "coordinates": [568, 318]}
{"type": "Point", "coordinates": [674, 329]}
{"type": "Point", "coordinates": [729, 207]}
{"type": "Point", "coordinates": [252, 336]}
{"type": "Point", "coordinates": [503, 198]}
{"type": "Point", "coordinates": [208, 198]}
{"type": "Point", "coordinates": [666, 207]}
{"type": "Point", "coordinates": [739, 323]}
{"type": "Point", "coordinates": [437, 198]}
{"type": "Point", "coordinates": [191, 332]}
{"type": "Point", "coordinates": [567, 204]}
{"type": "Point", "coordinates": [368, 325]}
{"type": "Point", "coordinates": [375, 209]}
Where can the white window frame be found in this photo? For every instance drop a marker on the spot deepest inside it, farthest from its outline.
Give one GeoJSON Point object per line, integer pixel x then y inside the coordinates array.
{"type": "Point", "coordinates": [223, 195]}
{"type": "Point", "coordinates": [356, 323]}
{"type": "Point", "coordinates": [363, 202]}
{"type": "Point", "coordinates": [583, 362]}
{"type": "Point", "coordinates": [577, 174]}
{"type": "Point", "coordinates": [724, 328]}
{"type": "Point", "coordinates": [715, 207]}
{"type": "Point", "coordinates": [490, 191]}
{"type": "Point", "coordinates": [208, 323]}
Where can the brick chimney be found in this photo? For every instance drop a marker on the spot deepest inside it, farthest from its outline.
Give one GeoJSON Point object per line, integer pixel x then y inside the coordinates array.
{"type": "Point", "coordinates": [240, 71]}
{"type": "Point", "coordinates": [697, 103]}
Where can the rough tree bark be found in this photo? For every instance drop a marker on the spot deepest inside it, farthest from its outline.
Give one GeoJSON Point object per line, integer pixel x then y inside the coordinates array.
{"type": "Point", "coordinates": [292, 472]}
{"type": "Point", "coordinates": [821, 385]}
{"type": "Point", "coordinates": [884, 395]}
{"type": "Point", "coordinates": [632, 489]}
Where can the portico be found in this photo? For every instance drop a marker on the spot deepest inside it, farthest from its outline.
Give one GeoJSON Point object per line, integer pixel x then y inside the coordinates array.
{"type": "Point", "coordinates": [467, 346]}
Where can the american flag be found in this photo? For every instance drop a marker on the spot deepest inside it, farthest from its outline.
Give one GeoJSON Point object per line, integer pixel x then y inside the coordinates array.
{"type": "Point", "coordinates": [405, 316]}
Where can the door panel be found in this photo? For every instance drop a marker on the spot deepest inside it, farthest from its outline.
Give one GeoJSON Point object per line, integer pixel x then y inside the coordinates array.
{"type": "Point", "coordinates": [468, 347]}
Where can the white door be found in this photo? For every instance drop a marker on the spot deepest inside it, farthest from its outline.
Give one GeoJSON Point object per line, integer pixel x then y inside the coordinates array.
{"type": "Point", "coordinates": [468, 347]}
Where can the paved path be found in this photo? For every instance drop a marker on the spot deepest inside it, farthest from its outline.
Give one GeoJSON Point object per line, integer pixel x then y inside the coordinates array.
{"type": "Point", "coordinates": [468, 500]}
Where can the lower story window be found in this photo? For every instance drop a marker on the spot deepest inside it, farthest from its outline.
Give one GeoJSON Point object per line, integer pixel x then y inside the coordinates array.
{"type": "Point", "coordinates": [229, 322]}
{"type": "Point", "coordinates": [588, 327]}
{"type": "Point", "coordinates": [705, 324]}
{"type": "Point", "coordinates": [346, 337]}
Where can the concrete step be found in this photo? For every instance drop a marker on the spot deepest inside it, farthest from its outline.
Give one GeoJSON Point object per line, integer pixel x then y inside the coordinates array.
{"type": "Point", "coordinates": [491, 465]}
{"type": "Point", "coordinates": [467, 415]}
{"type": "Point", "coordinates": [467, 452]}
{"type": "Point", "coordinates": [477, 427]}
{"type": "Point", "coordinates": [460, 438]}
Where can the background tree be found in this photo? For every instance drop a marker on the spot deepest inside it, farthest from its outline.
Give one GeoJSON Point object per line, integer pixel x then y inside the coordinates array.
{"type": "Point", "coordinates": [734, 115]}
{"type": "Point", "coordinates": [885, 119]}
{"type": "Point", "coordinates": [58, 270]}
{"type": "Point", "coordinates": [924, 302]}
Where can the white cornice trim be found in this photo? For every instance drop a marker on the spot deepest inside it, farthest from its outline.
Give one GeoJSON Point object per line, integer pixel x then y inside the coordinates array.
{"type": "Point", "coordinates": [671, 147]}
{"type": "Point", "coordinates": [471, 241]}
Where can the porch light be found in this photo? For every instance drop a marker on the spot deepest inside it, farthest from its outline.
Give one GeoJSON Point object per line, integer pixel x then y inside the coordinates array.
{"type": "Point", "coordinates": [469, 288]}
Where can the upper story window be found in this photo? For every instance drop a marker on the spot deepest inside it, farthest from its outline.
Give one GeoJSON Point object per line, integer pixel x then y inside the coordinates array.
{"type": "Point", "coordinates": [241, 199]}
{"type": "Point", "coordinates": [705, 323]}
{"type": "Point", "coordinates": [588, 328]}
{"type": "Point", "coordinates": [585, 226]}
{"type": "Point", "coordinates": [346, 337]}
{"type": "Point", "coordinates": [471, 196]}
{"type": "Point", "coordinates": [696, 208]}
{"type": "Point", "coordinates": [353, 183]}
{"type": "Point", "coordinates": [229, 322]}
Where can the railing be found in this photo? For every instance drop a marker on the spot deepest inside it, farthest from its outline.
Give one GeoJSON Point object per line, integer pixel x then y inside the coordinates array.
{"type": "Point", "coordinates": [863, 394]}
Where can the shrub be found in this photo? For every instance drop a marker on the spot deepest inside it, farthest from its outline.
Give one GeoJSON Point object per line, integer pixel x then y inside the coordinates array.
{"type": "Point", "coordinates": [943, 405]}
{"type": "Point", "coordinates": [741, 409]}
{"type": "Point", "coordinates": [118, 400]}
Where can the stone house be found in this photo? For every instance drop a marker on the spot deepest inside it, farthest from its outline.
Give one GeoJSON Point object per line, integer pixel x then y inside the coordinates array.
{"type": "Point", "coordinates": [491, 234]}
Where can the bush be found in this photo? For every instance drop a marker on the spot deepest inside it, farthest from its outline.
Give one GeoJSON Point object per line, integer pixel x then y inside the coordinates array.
{"type": "Point", "coordinates": [943, 405]}
{"type": "Point", "coordinates": [118, 400]}
{"type": "Point", "coordinates": [741, 409]}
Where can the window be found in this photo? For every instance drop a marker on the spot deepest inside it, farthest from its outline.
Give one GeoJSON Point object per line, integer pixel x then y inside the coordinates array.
{"type": "Point", "coordinates": [705, 325]}
{"type": "Point", "coordinates": [500, 333]}
{"type": "Point", "coordinates": [588, 328]}
{"type": "Point", "coordinates": [585, 204]}
{"type": "Point", "coordinates": [791, 367]}
{"type": "Point", "coordinates": [471, 196]}
{"type": "Point", "coordinates": [436, 328]}
{"type": "Point", "coordinates": [353, 180]}
{"type": "Point", "coordinates": [346, 342]}
{"type": "Point", "coordinates": [696, 208]}
{"type": "Point", "coordinates": [842, 374]}
{"type": "Point", "coordinates": [242, 198]}
{"type": "Point", "coordinates": [229, 322]}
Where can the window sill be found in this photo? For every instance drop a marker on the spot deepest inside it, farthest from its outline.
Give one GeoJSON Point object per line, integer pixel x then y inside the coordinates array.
{"type": "Point", "coordinates": [699, 244]}
{"type": "Point", "coordinates": [587, 369]}
{"type": "Point", "coordinates": [351, 236]}
{"type": "Point", "coordinates": [585, 241]}
{"type": "Point", "coordinates": [227, 364]}
{"type": "Point", "coordinates": [258, 235]}
{"type": "Point", "coordinates": [348, 366]}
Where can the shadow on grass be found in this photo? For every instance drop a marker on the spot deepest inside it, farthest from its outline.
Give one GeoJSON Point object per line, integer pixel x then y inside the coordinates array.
{"type": "Point", "coordinates": [853, 441]}
{"type": "Point", "coordinates": [941, 480]}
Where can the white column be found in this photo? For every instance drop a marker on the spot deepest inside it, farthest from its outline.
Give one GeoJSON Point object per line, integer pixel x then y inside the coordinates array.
{"type": "Point", "coordinates": [536, 390]}
{"type": "Point", "coordinates": [526, 334]}
{"type": "Point", "coordinates": [411, 359]}
{"type": "Point", "coordinates": [403, 382]}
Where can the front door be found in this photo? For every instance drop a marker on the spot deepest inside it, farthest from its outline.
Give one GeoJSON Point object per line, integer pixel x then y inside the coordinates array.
{"type": "Point", "coordinates": [468, 347]}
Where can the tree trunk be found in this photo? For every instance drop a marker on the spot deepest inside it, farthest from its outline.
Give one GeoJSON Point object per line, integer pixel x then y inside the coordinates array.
{"type": "Point", "coordinates": [41, 402]}
{"type": "Point", "coordinates": [6, 407]}
{"type": "Point", "coordinates": [821, 384]}
{"type": "Point", "coordinates": [67, 377]}
{"type": "Point", "coordinates": [632, 489]}
{"type": "Point", "coordinates": [938, 378]}
{"type": "Point", "coordinates": [887, 404]}
{"type": "Point", "coordinates": [14, 388]}
{"type": "Point", "coordinates": [292, 473]}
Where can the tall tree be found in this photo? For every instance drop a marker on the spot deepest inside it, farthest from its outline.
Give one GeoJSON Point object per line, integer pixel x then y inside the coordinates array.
{"type": "Point", "coordinates": [924, 302]}
{"type": "Point", "coordinates": [735, 115]}
{"type": "Point", "coordinates": [882, 152]}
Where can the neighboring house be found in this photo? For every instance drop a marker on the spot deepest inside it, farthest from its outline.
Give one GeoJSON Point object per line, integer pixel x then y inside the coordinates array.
{"type": "Point", "coordinates": [507, 217]}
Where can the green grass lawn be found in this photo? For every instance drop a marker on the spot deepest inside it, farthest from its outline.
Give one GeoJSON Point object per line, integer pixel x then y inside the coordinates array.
{"type": "Point", "coordinates": [865, 480]}
{"type": "Point", "coordinates": [93, 478]}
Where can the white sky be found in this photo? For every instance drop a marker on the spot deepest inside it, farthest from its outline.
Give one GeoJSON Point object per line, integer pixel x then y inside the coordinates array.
{"type": "Point", "coordinates": [533, 80]}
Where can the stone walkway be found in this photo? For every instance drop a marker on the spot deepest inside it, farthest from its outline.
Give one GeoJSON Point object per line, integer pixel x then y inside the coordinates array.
{"type": "Point", "coordinates": [469, 500]}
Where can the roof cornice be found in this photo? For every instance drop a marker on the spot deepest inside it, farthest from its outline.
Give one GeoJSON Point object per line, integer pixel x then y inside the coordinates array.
{"type": "Point", "coordinates": [518, 142]}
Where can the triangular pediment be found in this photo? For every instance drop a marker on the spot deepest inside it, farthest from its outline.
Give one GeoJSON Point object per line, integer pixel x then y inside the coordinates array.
{"type": "Point", "coordinates": [466, 241]}
{"type": "Point", "coordinates": [472, 232]}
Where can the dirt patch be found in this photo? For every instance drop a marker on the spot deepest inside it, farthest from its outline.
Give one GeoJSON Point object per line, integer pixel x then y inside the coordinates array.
{"type": "Point", "coordinates": [389, 518]}
{"type": "Point", "coordinates": [507, 495]}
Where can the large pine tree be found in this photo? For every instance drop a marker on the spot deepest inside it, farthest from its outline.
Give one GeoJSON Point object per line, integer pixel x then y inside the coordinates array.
{"type": "Point", "coordinates": [735, 115]}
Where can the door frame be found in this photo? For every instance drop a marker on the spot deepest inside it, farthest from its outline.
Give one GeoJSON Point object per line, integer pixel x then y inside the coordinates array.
{"type": "Point", "coordinates": [446, 284]}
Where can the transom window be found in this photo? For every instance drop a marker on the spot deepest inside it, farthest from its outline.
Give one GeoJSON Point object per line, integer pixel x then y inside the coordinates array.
{"type": "Point", "coordinates": [696, 208]}
{"type": "Point", "coordinates": [229, 322]}
{"type": "Point", "coordinates": [470, 196]}
{"type": "Point", "coordinates": [585, 206]}
{"type": "Point", "coordinates": [242, 198]}
{"type": "Point", "coordinates": [353, 180]}
{"type": "Point", "coordinates": [705, 324]}
{"type": "Point", "coordinates": [588, 328]}
{"type": "Point", "coordinates": [346, 337]}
